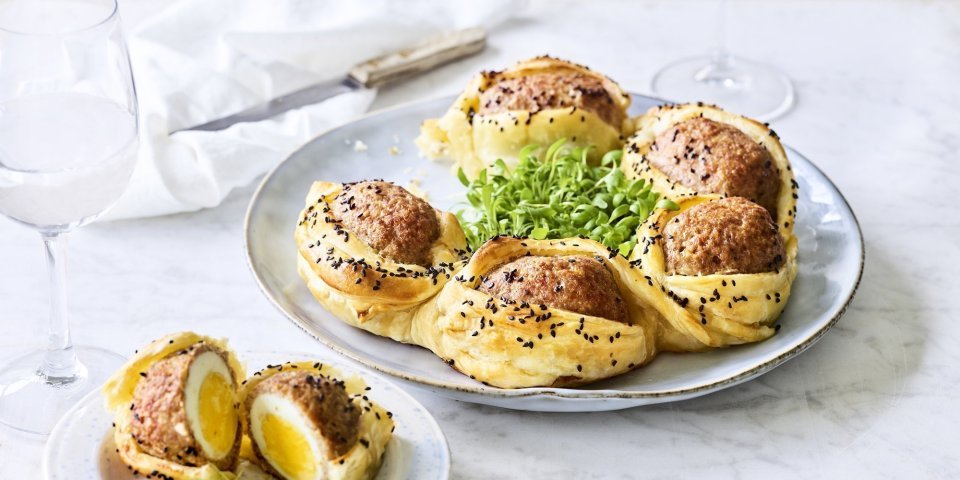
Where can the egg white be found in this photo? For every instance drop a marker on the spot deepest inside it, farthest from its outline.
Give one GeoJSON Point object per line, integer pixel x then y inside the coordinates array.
{"type": "Point", "coordinates": [207, 363]}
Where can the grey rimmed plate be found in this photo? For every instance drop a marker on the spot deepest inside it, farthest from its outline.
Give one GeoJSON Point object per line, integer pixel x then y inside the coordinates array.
{"type": "Point", "coordinates": [830, 264]}
{"type": "Point", "coordinates": [81, 445]}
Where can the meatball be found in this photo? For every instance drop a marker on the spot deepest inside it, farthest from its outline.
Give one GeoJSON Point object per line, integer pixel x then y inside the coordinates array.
{"type": "Point", "coordinates": [159, 422]}
{"type": "Point", "coordinates": [323, 401]}
{"type": "Point", "coordinates": [541, 91]}
{"type": "Point", "coordinates": [713, 157]}
{"type": "Point", "coordinates": [726, 236]}
{"type": "Point", "coordinates": [394, 222]}
{"type": "Point", "coordinates": [576, 283]}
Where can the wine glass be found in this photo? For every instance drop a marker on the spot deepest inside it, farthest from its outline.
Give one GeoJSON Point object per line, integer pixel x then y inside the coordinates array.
{"type": "Point", "coordinates": [68, 143]}
{"type": "Point", "coordinates": [742, 86]}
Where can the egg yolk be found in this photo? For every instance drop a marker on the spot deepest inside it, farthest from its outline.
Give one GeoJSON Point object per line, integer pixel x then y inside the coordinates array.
{"type": "Point", "coordinates": [218, 415]}
{"type": "Point", "coordinates": [287, 449]}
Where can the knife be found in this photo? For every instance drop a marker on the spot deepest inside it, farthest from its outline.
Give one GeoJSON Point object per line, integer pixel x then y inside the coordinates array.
{"type": "Point", "coordinates": [372, 73]}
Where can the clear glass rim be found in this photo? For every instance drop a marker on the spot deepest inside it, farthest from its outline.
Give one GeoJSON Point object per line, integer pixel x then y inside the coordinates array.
{"type": "Point", "coordinates": [114, 8]}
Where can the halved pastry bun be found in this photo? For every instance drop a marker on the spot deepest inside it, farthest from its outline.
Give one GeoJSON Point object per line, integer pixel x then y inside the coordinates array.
{"type": "Point", "coordinates": [475, 140]}
{"type": "Point", "coordinates": [519, 344]}
{"type": "Point", "coordinates": [361, 286]}
{"type": "Point", "coordinates": [196, 423]}
{"type": "Point", "coordinates": [698, 312]}
{"type": "Point", "coordinates": [291, 417]}
{"type": "Point", "coordinates": [661, 119]}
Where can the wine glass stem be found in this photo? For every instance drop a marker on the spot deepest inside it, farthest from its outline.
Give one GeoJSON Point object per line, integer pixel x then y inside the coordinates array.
{"type": "Point", "coordinates": [60, 364]}
{"type": "Point", "coordinates": [721, 53]}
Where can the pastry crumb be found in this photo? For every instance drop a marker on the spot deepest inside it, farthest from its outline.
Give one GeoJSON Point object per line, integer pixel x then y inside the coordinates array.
{"type": "Point", "coordinates": [359, 146]}
{"type": "Point", "coordinates": [415, 188]}
{"type": "Point", "coordinates": [394, 150]}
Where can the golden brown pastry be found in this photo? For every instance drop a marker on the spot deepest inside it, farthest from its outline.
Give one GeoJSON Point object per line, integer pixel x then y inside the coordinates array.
{"type": "Point", "coordinates": [526, 313]}
{"type": "Point", "coordinates": [305, 421]}
{"type": "Point", "coordinates": [536, 101]}
{"type": "Point", "coordinates": [175, 405]}
{"type": "Point", "coordinates": [718, 272]}
{"type": "Point", "coordinates": [371, 252]}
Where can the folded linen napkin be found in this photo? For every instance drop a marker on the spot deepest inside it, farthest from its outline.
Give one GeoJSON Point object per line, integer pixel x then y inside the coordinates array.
{"type": "Point", "coordinates": [202, 59]}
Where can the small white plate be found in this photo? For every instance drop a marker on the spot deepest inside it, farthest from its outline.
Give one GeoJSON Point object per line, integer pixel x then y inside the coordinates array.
{"type": "Point", "coordinates": [830, 264]}
{"type": "Point", "coordinates": [81, 445]}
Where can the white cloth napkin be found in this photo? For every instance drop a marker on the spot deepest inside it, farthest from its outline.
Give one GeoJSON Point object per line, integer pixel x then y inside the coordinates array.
{"type": "Point", "coordinates": [202, 59]}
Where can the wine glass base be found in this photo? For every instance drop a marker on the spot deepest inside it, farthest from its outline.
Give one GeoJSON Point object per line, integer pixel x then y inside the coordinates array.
{"type": "Point", "coordinates": [741, 86]}
{"type": "Point", "coordinates": [31, 403]}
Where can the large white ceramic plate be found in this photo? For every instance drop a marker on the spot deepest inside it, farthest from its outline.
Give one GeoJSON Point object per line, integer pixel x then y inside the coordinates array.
{"type": "Point", "coordinates": [81, 445]}
{"type": "Point", "coordinates": [830, 264]}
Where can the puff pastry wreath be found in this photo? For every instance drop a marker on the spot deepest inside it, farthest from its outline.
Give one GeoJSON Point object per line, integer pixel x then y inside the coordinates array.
{"type": "Point", "coordinates": [523, 313]}
{"type": "Point", "coordinates": [535, 101]}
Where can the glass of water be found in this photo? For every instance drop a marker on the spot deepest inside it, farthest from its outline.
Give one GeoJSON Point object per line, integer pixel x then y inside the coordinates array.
{"type": "Point", "coordinates": [68, 145]}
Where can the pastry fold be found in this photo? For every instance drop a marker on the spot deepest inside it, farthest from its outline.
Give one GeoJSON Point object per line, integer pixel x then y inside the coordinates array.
{"type": "Point", "coordinates": [360, 286]}
{"type": "Point", "coordinates": [738, 308]}
{"type": "Point", "coordinates": [699, 312]}
{"type": "Point", "coordinates": [475, 140]}
{"type": "Point", "coordinates": [516, 344]}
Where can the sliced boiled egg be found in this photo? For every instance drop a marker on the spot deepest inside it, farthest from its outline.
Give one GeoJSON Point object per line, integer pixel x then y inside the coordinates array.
{"type": "Point", "coordinates": [210, 398]}
{"type": "Point", "coordinates": [286, 439]}
{"type": "Point", "coordinates": [176, 407]}
{"type": "Point", "coordinates": [301, 423]}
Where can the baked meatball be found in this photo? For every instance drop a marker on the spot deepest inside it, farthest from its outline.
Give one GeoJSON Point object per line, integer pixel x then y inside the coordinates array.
{"type": "Point", "coordinates": [726, 236]}
{"type": "Point", "coordinates": [397, 224]}
{"type": "Point", "coordinates": [324, 402]}
{"type": "Point", "coordinates": [558, 89]}
{"type": "Point", "coordinates": [164, 425]}
{"type": "Point", "coordinates": [714, 157]}
{"type": "Point", "coordinates": [576, 283]}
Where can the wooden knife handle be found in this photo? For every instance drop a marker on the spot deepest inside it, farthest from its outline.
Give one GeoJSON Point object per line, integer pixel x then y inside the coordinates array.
{"type": "Point", "coordinates": [420, 58]}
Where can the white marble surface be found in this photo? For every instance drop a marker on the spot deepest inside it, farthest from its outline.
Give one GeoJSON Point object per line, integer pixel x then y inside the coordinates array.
{"type": "Point", "coordinates": [878, 110]}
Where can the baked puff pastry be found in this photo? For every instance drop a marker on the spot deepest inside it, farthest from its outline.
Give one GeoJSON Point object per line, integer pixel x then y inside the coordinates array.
{"type": "Point", "coordinates": [306, 421]}
{"type": "Point", "coordinates": [688, 149]}
{"type": "Point", "coordinates": [536, 101]}
{"type": "Point", "coordinates": [371, 253]}
{"type": "Point", "coordinates": [175, 406]}
{"type": "Point", "coordinates": [717, 272]}
{"type": "Point", "coordinates": [526, 313]}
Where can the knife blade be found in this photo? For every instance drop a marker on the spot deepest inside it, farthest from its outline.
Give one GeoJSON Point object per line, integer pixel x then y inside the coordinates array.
{"type": "Point", "coordinates": [306, 96]}
{"type": "Point", "coordinates": [372, 73]}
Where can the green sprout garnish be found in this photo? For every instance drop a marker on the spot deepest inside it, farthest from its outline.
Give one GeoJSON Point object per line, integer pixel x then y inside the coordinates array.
{"type": "Point", "coordinates": [558, 196]}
